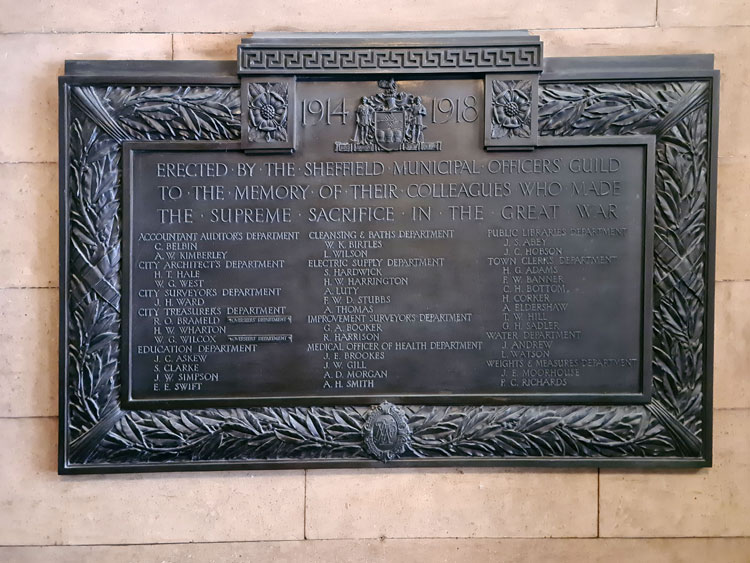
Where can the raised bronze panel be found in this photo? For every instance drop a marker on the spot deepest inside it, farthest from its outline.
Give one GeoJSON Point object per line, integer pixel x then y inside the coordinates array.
{"type": "Point", "coordinates": [243, 284]}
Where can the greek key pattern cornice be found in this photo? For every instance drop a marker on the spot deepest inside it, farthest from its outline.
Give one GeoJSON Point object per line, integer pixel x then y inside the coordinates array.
{"type": "Point", "coordinates": [265, 60]}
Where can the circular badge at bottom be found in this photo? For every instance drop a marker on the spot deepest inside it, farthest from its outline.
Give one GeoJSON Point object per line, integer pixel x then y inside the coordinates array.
{"type": "Point", "coordinates": [386, 432]}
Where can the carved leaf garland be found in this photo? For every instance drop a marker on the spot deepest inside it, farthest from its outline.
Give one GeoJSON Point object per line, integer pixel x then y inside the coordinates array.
{"type": "Point", "coordinates": [94, 286]}
{"type": "Point", "coordinates": [100, 432]}
{"type": "Point", "coordinates": [203, 113]}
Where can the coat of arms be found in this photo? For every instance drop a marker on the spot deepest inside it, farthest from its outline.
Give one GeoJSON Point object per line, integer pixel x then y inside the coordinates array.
{"type": "Point", "coordinates": [389, 121]}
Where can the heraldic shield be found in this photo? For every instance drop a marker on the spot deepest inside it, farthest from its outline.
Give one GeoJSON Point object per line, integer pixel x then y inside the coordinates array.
{"type": "Point", "coordinates": [390, 129]}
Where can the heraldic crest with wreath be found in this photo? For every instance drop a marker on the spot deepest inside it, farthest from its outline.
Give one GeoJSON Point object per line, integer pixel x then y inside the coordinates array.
{"type": "Point", "coordinates": [389, 121]}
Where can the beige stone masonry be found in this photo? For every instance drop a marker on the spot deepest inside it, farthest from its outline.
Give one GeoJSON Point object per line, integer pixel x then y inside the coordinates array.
{"type": "Point", "coordinates": [28, 352]}
{"type": "Point", "coordinates": [725, 550]}
{"type": "Point", "coordinates": [311, 15]}
{"type": "Point", "coordinates": [39, 507]}
{"type": "Point", "coordinates": [206, 46]}
{"type": "Point", "coordinates": [684, 503]}
{"type": "Point", "coordinates": [732, 346]}
{"type": "Point", "coordinates": [704, 12]}
{"type": "Point", "coordinates": [413, 503]}
{"type": "Point", "coordinates": [30, 65]}
{"type": "Point", "coordinates": [29, 225]}
{"type": "Point", "coordinates": [733, 219]}
{"type": "Point", "coordinates": [321, 516]}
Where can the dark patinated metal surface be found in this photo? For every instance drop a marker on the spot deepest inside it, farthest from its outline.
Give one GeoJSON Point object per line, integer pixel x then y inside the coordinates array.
{"type": "Point", "coordinates": [514, 267]}
{"type": "Point", "coordinates": [303, 287]}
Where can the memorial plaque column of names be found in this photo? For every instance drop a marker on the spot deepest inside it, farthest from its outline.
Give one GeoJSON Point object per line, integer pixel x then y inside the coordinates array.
{"type": "Point", "coordinates": [395, 247]}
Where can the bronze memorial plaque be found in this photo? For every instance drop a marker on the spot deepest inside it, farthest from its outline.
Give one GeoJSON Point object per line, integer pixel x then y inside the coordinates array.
{"type": "Point", "coordinates": [418, 249]}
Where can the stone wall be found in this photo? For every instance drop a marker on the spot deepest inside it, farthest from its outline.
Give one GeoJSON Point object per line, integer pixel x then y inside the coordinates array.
{"type": "Point", "coordinates": [349, 515]}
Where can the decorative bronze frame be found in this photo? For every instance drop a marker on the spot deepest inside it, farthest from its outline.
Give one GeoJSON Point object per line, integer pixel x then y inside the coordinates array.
{"type": "Point", "coordinates": [103, 104]}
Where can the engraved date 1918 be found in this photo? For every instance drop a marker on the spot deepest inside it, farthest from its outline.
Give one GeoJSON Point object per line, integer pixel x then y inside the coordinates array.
{"type": "Point", "coordinates": [461, 109]}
